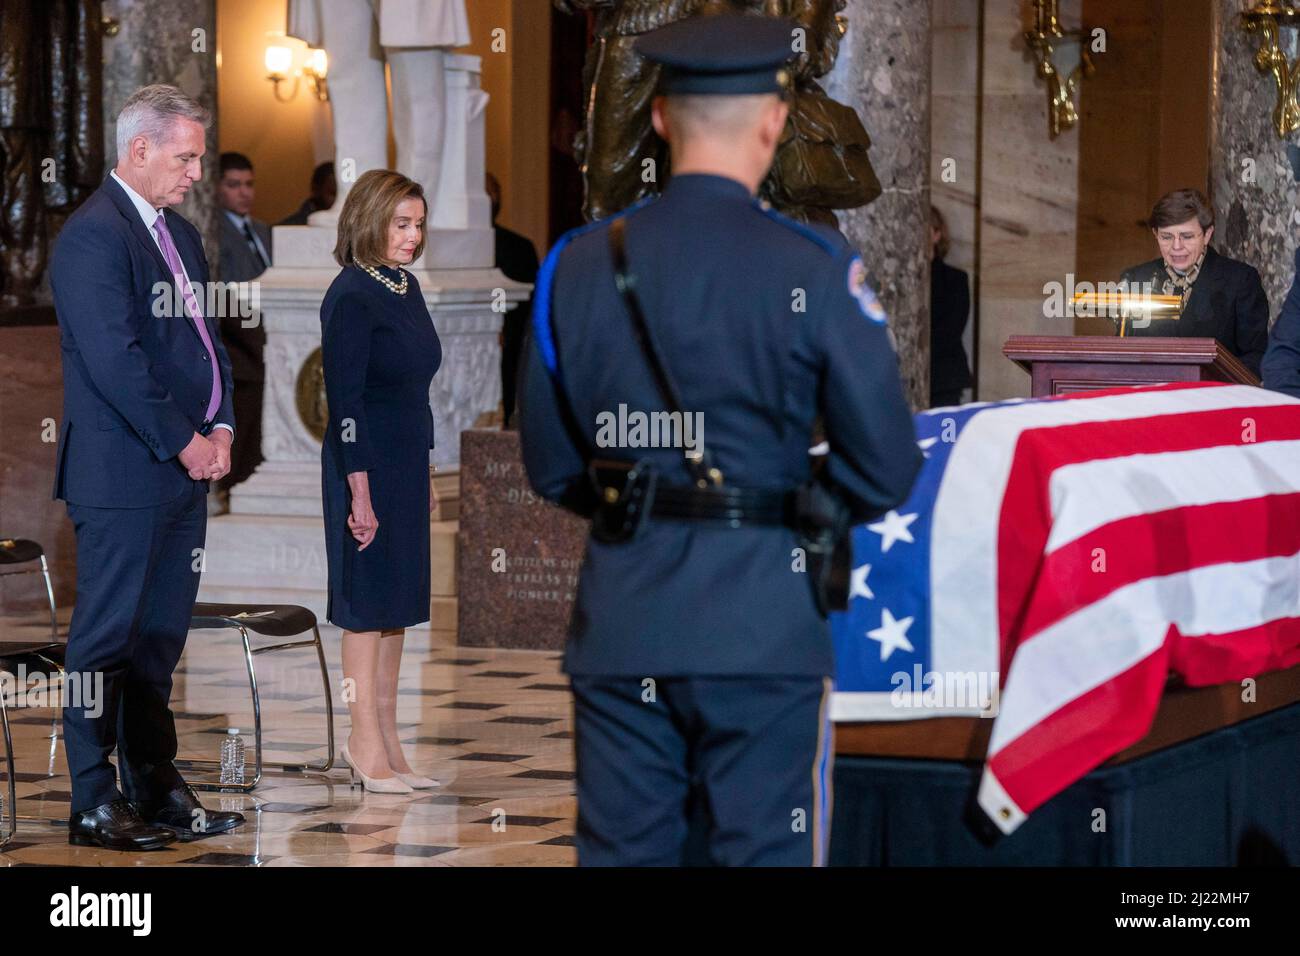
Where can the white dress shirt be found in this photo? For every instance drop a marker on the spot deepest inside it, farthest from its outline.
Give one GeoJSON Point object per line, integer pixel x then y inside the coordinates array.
{"type": "Point", "coordinates": [149, 215]}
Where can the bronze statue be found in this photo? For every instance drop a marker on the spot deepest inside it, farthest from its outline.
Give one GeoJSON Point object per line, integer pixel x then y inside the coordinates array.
{"type": "Point", "coordinates": [822, 163]}
{"type": "Point", "coordinates": [51, 83]}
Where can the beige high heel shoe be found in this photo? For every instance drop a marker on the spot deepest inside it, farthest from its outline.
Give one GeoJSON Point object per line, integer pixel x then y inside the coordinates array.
{"type": "Point", "coordinates": [416, 782]}
{"type": "Point", "coordinates": [384, 785]}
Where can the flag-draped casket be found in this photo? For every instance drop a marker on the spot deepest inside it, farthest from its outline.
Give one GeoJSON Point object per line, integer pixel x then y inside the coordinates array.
{"type": "Point", "coordinates": [1060, 558]}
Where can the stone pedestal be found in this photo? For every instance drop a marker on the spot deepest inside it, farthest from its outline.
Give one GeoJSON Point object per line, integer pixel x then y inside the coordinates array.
{"type": "Point", "coordinates": [519, 554]}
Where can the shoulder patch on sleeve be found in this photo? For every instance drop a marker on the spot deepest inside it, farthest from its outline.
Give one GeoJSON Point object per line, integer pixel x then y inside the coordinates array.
{"type": "Point", "coordinates": [863, 294]}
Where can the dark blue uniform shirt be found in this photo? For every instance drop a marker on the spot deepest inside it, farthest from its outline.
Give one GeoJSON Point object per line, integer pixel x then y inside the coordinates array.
{"type": "Point", "coordinates": [764, 325]}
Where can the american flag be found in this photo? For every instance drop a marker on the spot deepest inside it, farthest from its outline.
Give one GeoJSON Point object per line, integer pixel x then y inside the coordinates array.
{"type": "Point", "coordinates": [1059, 557]}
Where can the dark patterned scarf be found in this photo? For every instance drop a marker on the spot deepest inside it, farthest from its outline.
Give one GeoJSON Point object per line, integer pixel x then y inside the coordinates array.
{"type": "Point", "coordinates": [1181, 285]}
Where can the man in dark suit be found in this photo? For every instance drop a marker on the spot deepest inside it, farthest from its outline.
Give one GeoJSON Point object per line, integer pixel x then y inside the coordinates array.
{"type": "Point", "coordinates": [1222, 298]}
{"type": "Point", "coordinates": [517, 259]}
{"type": "Point", "coordinates": [324, 189]}
{"type": "Point", "coordinates": [949, 312]}
{"type": "Point", "coordinates": [245, 255]}
{"type": "Point", "coordinates": [1281, 365]}
{"type": "Point", "coordinates": [147, 421]}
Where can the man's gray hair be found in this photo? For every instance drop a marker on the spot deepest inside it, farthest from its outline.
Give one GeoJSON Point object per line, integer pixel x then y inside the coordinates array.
{"type": "Point", "coordinates": [150, 112]}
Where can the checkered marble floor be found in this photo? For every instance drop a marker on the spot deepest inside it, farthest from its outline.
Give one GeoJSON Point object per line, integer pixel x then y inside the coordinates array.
{"type": "Point", "coordinates": [494, 726]}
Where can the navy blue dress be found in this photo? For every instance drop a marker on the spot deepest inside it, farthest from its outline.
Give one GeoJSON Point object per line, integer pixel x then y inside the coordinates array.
{"type": "Point", "coordinates": [380, 353]}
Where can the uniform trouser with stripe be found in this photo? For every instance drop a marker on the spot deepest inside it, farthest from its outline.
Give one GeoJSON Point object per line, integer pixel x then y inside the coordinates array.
{"type": "Point", "coordinates": [752, 755]}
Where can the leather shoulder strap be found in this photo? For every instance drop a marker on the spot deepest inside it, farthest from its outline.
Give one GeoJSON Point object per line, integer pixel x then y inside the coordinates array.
{"type": "Point", "coordinates": [702, 466]}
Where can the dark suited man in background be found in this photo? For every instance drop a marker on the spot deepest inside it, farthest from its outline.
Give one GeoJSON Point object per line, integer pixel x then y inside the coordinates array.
{"type": "Point", "coordinates": [147, 421]}
{"type": "Point", "coordinates": [1222, 298]}
{"type": "Point", "coordinates": [516, 257]}
{"type": "Point", "coordinates": [324, 189]}
{"type": "Point", "coordinates": [1281, 366]}
{"type": "Point", "coordinates": [245, 255]}
{"type": "Point", "coordinates": [949, 312]}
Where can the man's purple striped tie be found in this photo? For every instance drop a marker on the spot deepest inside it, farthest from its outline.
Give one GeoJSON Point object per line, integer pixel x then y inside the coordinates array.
{"type": "Point", "coordinates": [191, 306]}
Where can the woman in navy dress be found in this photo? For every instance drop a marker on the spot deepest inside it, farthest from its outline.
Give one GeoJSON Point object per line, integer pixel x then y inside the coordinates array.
{"type": "Point", "coordinates": [380, 352]}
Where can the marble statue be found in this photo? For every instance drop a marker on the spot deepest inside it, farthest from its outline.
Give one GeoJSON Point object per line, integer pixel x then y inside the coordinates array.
{"type": "Point", "coordinates": [359, 36]}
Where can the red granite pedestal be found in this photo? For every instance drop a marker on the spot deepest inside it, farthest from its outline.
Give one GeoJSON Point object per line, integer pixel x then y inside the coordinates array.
{"type": "Point", "coordinates": [518, 555]}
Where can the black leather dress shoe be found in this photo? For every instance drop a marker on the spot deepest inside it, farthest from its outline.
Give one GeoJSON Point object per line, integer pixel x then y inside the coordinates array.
{"type": "Point", "coordinates": [181, 812]}
{"type": "Point", "coordinates": [116, 826]}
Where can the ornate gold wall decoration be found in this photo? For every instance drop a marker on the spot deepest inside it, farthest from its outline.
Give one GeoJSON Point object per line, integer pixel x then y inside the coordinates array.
{"type": "Point", "coordinates": [1267, 19]}
{"type": "Point", "coordinates": [1044, 40]}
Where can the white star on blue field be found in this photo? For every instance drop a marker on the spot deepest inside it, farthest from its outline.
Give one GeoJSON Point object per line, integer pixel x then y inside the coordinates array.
{"type": "Point", "coordinates": [886, 629]}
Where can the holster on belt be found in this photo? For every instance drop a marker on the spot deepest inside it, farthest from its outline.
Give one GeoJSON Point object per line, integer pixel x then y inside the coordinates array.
{"type": "Point", "coordinates": [626, 491]}
{"type": "Point", "coordinates": [824, 524]}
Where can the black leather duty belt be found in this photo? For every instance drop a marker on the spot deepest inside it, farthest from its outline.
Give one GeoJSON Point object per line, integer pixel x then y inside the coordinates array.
{"type": "Point", "coordinates": [735, 506]}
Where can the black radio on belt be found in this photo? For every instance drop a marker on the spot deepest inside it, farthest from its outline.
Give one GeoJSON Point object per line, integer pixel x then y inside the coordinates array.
{"type": "Point", "coordinates": [627, 492]}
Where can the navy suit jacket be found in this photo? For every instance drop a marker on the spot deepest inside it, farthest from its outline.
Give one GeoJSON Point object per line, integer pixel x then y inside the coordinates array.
{"type": "Point", "coordinates": [135, 385]}
{"type": "Point", "coordinates": [1281, 365]}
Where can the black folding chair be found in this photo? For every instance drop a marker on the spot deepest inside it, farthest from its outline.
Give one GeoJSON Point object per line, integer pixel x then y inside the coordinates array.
{"type": "Point", "coordinates": [10, 810]}
{"type": "Point", "coordinates": [36, 656]}
{"type": "Point", "coordinates": [271, 620]}
{"type": "Point", "coordinates": [18, 551]}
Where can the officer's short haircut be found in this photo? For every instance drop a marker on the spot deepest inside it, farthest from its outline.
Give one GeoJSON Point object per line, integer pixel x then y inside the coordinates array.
{"type": "Point", "coordinates": [367, 212]}
{"type": "Point", "coordinates": [714, 115]}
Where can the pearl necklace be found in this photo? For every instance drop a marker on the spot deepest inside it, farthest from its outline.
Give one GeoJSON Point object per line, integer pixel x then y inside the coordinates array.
{"type": "Point", "coordinates": [398, 288]}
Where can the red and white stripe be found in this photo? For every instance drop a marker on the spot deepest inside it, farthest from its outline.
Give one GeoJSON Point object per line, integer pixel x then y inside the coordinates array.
{"type": "Point", "coordinates": [1092, 544]}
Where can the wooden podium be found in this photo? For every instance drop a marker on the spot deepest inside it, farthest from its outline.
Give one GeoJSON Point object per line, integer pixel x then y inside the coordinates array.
{"type": "Point", "coordinates": [1058, 364]}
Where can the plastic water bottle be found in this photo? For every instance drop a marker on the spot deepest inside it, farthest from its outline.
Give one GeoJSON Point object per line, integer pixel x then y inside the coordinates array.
{"type": "Point", "coordinates": [232, 757]}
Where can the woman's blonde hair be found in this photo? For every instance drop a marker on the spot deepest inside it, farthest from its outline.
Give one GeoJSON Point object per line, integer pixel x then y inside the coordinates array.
{"type": "Point", "coordinates": [367, 212]}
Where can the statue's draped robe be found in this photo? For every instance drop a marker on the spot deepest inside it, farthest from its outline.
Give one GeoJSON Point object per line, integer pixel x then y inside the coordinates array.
{"type": "Point", "coordinates": [821, 164]}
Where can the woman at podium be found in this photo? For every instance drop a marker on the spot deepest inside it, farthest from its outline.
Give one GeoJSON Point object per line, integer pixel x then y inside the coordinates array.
{"type": "Point", "coordinates": [1222, 298]}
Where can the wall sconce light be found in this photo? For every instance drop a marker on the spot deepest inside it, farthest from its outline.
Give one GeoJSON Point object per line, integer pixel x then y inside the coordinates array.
{"type": "Point", "coordinates": [316, 66]}
{"type": "Point", "coordinates": [1043, 41]}
{"type": "Point", "coordinates": [282, 53]}
{"type": "Point", "coordinates": [1267, 18]}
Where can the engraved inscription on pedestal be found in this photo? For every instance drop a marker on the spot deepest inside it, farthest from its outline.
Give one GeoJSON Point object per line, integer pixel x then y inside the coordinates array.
{"type": "Point", "coordinates": [519, 555]}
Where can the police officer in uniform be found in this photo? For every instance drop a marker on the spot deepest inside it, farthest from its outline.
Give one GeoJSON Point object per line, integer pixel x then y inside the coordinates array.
{"type": "Point", "coordinates": [699, 655]}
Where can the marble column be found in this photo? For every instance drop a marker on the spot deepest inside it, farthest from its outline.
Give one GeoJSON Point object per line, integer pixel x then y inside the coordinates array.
{"type": "Point", "coordinates": [1028, 200]}
{"type": "Point", "coordinates": [159, 41]}
{"type": "Point", "coordinates": [1252, 179]}
{"type": "Point", "coordinates": [883, 71]}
